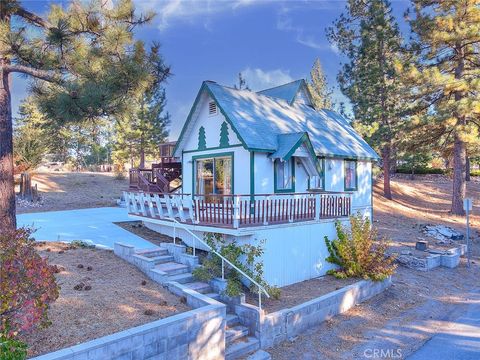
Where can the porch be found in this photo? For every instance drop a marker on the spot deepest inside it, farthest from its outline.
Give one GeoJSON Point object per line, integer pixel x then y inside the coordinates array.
{"type": "Point", "coordinates": [239, 211]}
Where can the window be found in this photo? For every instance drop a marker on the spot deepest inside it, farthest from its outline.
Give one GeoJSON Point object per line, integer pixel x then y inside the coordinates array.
{"type": "Point", "coordinates": [318, 182]}
{"type": "Point", "coordinates": [214, 176]}
{"type": "Point", "coordinates": [212, 108]}
{"type": "Point", "coordinates": [350, 175]}
{"type": "Point", "coordinates": [284, 175]}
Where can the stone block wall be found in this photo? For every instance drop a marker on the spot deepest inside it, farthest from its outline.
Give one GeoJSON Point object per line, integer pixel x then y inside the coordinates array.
{"type": "Point", "coordinates": [196, 334]}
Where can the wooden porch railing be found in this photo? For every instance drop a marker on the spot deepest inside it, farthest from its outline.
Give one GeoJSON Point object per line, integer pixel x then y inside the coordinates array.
{"type": "Point", "coordinates": [241, 210]}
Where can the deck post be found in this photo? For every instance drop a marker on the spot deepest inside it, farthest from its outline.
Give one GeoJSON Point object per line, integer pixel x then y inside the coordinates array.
{"type": "Point", "coordinates": [317, 206]}
{"type": "Point", "coordinates": [236, 212]}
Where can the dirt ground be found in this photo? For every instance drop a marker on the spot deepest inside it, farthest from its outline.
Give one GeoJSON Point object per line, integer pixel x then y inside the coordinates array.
{"type": "Point", "coordinates": [299, 293]}
{"type": "Point", "coordinates": [137, 228]}
{"type": "Point", "coordinates": [74, 190]}
{"type": "Point", "coordinates": [113, 302]}
{"type": "Point", "coordinates": [419, 304]}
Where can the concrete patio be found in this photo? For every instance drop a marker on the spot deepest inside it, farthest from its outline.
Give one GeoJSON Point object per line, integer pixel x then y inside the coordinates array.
{"type": "Point", "coordinates": [95, 225]}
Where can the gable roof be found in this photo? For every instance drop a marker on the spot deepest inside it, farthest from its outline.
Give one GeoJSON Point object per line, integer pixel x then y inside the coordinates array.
{"type": "Point", "coordinates": [258, 119]}
{"type": "Point", "coordinates": [285, 92]}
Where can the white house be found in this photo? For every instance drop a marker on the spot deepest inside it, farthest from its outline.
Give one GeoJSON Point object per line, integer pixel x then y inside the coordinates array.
{"type": "Point", "coordinates": [265, 166]}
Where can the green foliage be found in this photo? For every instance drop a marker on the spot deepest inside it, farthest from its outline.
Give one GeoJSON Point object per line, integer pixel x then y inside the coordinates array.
{"type": "Point", "coordinates": [419, 170]}
{"type": "Point", "coordinates": [441, 72]}
{"type": "Point", "coordinates": [244, 257]}
{"type": "Point", "coordinates": [475, 173]}
{"type": "Point", "coordinates": [82, 244]}
{"type": "Point", "coordinates": [368, 35]}
{"type": "Point", "coordinates": [143, 126]}
{"type": "Point", "coordinates": [318, 87]}
{"type": "Point", "coordinates": [27, 288]}
{"type": "Point", "coordinates": [11, 348]}
{"type": "Point", "coordinates": [359, 252]}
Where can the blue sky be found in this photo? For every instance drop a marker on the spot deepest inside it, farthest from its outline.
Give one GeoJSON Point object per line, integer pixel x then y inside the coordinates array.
{"type": "Point", "coordinates": [270, 42]}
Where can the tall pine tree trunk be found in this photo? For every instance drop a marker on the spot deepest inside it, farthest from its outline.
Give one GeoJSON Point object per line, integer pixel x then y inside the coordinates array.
{"type": "Point", "coordinates": [7, 187]}
{"type": "Point", "coordinates": [459, 148]}
{"type": "Point", "coordinates": [459, 184]}
{"type": "Point", "coordinates": [386, 156]}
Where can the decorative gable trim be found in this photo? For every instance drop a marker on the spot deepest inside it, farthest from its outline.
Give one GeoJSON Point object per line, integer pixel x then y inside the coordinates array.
{"type": "Point", "coordinates": [224, 141]}
{"type": "Point", "coordinates": [202, 141]}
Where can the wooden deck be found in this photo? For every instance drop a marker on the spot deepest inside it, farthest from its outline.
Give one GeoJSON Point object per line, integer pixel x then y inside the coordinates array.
{"type": "Point", "coordinates": [239, 211]}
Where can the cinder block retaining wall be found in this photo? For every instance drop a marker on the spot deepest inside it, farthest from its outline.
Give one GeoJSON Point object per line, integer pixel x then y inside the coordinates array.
{"type": "Point", "coordinates": [196, 334]}
{"type": "Point", "coordinates": [279, 326]}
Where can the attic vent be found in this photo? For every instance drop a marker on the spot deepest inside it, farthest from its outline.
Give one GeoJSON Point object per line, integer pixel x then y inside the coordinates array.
{"type": "Point", "coordinates": [212, 108]}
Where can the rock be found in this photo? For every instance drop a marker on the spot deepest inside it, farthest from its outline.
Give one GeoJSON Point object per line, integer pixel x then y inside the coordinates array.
{"type": "Point", "coordinates": [80, 266]}
{"type": "Point", "coordinates": [163, 303]}
{"type": "Point", "coordinates": [149, 312]}
{"type": "Point", "coordinates": [89, 268]}
{"type": "Point", "coordinates": [421, 245]}
{"type": "Point", "coordinates": [87, 288]}
{"type": "Point", "coordinates": [405, 252]}
{"type": "Point", "coordinates": [79, 287]}
{"type": "Point", "coordinates": [144, 283]}
{"type": "Point", "coordinates": [61, 251]}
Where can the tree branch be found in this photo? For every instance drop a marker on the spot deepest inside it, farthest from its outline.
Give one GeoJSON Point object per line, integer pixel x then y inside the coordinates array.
{"type": "Point", "coordinates": [49, 76]}
{"type": "Point", "coordinates": [32, 18]}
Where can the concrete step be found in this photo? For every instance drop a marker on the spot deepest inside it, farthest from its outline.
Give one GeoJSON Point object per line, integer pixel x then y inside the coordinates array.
{"type": "Point", "coordinates": [214, 296]}
{"type": "Point", "coordinates": [182, 278]}
{"type": "Point", "coordinates": [232, 320]}
{"type": "Point", "coordinates": [199, 286]}
{"type": "Point", "coordinates": [162, 259]}
{"type": "Point", "coordinates": [172, 268]}
{"type": "Point", "coordinates": [235, 333]}
{"type": "Point", "coordinates": [149, 253]}
{"type": "Point", "coordinates": [259, 355]}
{"type": "Point", "coordinates": [241, 347]}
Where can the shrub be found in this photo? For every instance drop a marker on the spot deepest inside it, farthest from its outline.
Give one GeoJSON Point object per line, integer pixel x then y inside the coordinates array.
{"type": "Point", "coordinates": [475, 173]}
{"type": "Point", "coordinates": [12, 349]}
{"type": "Point", "coordinates": [419, 170]}
{"type": "Point", "coordinates": [212, 265]}
{"type": "Point", "coordinates": [27, 285]}
{"type": "Point", "coordinates": [359, 252]}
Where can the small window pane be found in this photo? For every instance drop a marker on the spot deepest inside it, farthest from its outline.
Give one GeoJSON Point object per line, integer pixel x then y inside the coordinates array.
{"type": "Point", "coordinates": [205, 176]}
{"type": "Point", "coordinates": [284, 174]}
{"type": "Point", "coordinates": [350, 174]}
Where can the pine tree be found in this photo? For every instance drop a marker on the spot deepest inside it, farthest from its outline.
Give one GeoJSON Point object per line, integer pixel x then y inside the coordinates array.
{"type": "Point", "coordinates": [318, 86]}
{"type": "Point", "coordinates": [444, 79]}
{"type": "Point", "coordinates": [368, 35]}
{"type": "Point", "coordinates": [84, 63]}
{"type": "Point", "coordinates": [143, 127]}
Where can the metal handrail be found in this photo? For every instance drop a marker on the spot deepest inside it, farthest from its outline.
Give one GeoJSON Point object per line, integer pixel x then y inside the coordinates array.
{"type": "Point", "coordinates": [224, 260]}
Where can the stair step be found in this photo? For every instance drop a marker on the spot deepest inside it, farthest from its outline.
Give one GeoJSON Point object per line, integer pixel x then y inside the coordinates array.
{"type": "Point", "coordinates": [259, 355]}
{"type": "Point", "coordinates": [162, 259]}
{"type": "Point", "coordinates": [172, 268]}
{"type": "Point", "coordinates": [235, 333]}
{"type": "Point", "coordinates": [200, 287]}
{"type": "Point", "coordinates": [241, 347]}
{"type": "Point", "coordinates": [214, 296]}
{"type": "Point", "coordinates": [182, 278]}
{"type": "Point", "coordinates": [232, 320]}
{"type": "Point", "coordinates": [152, 252]}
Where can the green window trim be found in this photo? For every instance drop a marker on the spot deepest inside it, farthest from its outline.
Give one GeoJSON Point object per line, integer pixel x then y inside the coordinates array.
{"type": "Point", "coordinates": [321, 169]}
{"type": "Point", "coordinates": [289, 190]}
{"type": "Point", "coordinates": [211, 156]}
{"type": "Point", "coordinates": [345, 175]}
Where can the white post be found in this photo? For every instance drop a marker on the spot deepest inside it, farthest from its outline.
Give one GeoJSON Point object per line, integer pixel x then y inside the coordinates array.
{"type": "Point", "coordinates": [223, 269]}
{"type": "Point", "coordinates": [194, 244]}
{"type": "Point", "coordinates": [317, 206]}
{"type": "Point", "coordinates": [259, 298]}
{"type": "Point", "coordinates": [236, 212]}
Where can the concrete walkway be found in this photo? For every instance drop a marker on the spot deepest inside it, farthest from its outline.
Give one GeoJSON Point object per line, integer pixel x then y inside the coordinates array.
{"type": "Point", "coordinates": [95, 225]}
{"type": "Point", "coordinates": [460, 340]}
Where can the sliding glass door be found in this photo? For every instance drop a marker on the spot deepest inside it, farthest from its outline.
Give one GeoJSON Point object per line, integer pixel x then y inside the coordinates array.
{"type": "Point", "coordinates": [214, 176]}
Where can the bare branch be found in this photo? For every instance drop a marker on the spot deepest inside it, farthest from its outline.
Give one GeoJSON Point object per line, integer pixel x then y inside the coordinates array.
{"type": "Point", "coordinates": [49, 76]}
{"type": "Point", "coordinates": [32, 18]}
